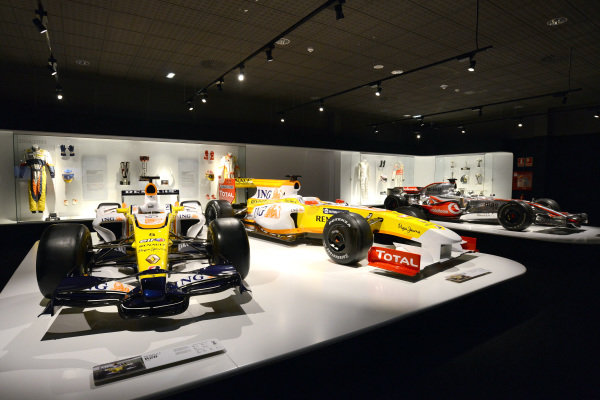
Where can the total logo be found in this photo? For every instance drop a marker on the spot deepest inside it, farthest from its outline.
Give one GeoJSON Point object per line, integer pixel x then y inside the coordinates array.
{"type": "Point", "coordinates": [152, 240]}
{"type": "Point", "coordinates": [395, 258]}
{"type": "Point", "coordinates": [152, 259]}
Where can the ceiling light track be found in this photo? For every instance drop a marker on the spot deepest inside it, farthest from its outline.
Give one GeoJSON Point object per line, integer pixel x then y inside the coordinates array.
{"type": "Point", "coordinates": [270, 45]}
{"type": "Point", "coordinates": [41, 23]}
{"type": "Point", "coordinates": [479, 108]}
{"type": "Point", "coordinates": [377, 83]}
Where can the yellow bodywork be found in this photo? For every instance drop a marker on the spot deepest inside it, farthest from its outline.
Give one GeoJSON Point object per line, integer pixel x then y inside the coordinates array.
{"type": "Point", "coordinates": [151, 242]}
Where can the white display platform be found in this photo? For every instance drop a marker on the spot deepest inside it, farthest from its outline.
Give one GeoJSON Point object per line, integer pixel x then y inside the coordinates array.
{"type": "Point", "coordinates": [299, 299]}
{"type": "Point", "coordinates": [583, 235]}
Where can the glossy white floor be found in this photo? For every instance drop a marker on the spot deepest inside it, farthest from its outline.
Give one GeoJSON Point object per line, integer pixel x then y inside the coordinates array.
{"type": "Point", "coordinates": [583, 235]}
{"type": "Point", "coordinates": [299, 299]}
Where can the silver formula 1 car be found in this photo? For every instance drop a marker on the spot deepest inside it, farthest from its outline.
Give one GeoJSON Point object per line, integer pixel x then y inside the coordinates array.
{"type": "Point", "coordinates": [149, 260]}
{"type": "Point", "coordinates": [442, 201]}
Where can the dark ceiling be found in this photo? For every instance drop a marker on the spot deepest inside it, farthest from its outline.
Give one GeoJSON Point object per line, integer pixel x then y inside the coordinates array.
{"type": "Point", "coordinates": [140, 41]}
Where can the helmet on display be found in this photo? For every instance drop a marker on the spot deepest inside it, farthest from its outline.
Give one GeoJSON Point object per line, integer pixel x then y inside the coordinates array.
{"type": "Point", "coordinates": [68, 175]}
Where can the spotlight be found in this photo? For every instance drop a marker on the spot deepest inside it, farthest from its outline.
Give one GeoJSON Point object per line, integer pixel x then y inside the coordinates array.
{"type": "Point", "coordinates": [170, 75]}
{"type": "Point", "coordinates": [38, 23]}
{"type": "Point", "coordinates": [321, 106]}
{"type": "Point", "coordinates": [241, 73]}
{"type": "Point", "coordinates": [520, 124]}
{"type": "Point", "coordinates": [204, 97]}
{"type": "Point", "coordinates": [418, 136]}
{"type": "Point", "coordinates": [597, 114]}
{"type": "Point", "coordinates": [375, 129]}
{"type": "Point", "coordinates": [378, 92]}
{"type": "Point", "coordinates": [269, 52]}
{"type": "Point", "coordinates": [190, 105]}
{"type": "Point", "coordinates": [52, 65]}
{"type": "Point", "coordinates": [59, 92]}
{"type": "Point", "coordinates": [339, 14]}
{"type": "Point", "coordinates": [281, 118]}
{"type": "Point", "coordinates": [220, 83]}
{"type": "Point", "coordinates": [471, 64]}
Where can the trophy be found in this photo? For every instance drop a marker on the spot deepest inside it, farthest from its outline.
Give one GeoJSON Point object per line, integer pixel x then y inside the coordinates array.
{"type": "Point", "coordinates": [144, 176]}
{"type": "Point", "coordinates": [124, 173]}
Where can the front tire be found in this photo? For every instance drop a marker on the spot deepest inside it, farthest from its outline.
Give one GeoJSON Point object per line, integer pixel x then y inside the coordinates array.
{"type": "Point", "coordinates": [347, 238]}
{"type": "Point", "coordinates": [63, 249]}
{"type": "Point", "coordinates": [216, 209]}
{"type": "Point", "coordinates": [550, 203]}
{"type": "Point", "coordinates": [394, 201]}
{"type": "Point", "coordinates": [413, 211]}
{"type": "Point", "coordinates": [515, 215]}
{"type": "Point", "coordinates": [229, 243]}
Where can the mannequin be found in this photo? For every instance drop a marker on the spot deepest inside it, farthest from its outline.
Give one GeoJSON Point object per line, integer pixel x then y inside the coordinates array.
{"type": "Point", "coordinates": [37, 159]}
{"type": "Point", "coordinates": [398, 174]}
{"type": "Point", "coordinates": [363, 179]}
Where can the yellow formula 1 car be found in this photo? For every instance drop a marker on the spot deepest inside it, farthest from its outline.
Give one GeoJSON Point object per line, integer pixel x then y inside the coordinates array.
{"type": "Point", "coordinates": [276, 210]}
{"type": "Point", "coordinates": [149, 261]}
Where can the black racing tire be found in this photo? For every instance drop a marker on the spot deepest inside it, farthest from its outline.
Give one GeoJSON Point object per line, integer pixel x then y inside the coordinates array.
{"type": "Point", "coordinates": [394, 201]}
{"type": "Point", "coordinates": [413, 211]}
{"type": "Point", "coordinates": [64, 249]}
{"type": "Point", "coordinates": [216, 209]}
{"type": "Point", "coordinates": [515, 215]}
{"type": "Point", "coordinates": [229, 244]}
{"type": "Point", "coordinates": [347, 238]}
{"type": "Point", "coordinates": [550, 203]}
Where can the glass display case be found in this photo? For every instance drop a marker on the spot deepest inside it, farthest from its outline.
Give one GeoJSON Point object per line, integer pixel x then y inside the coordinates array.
{"type": "Point", "coordinates": [66, 177]}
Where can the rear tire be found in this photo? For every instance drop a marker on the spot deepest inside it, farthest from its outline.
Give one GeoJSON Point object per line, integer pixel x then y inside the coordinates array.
{"type": "Point", "coordinates": [553, 204]}
{"type": "Point", "coordinates": [63, 249]}
{"type": "Point", "coordinates": [515, 215]}
{"type": "Point", "coordinates": [394, 201]}
{"type": "Point", "coordinates": [216, 209]}
{"type": "Point", "coordinates": [229, 244]}
{"type": "Point", "coordinates": [347, 238]}
{"type": "Point", "coordinates": [413, 211]}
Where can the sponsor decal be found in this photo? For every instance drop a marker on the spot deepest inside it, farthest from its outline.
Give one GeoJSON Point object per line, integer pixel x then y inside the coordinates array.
{"type": "Point", "coordinates": [191, 279]}
{"type": "Point", "coordinates": [394, 260]}
{"type": "Point", "coordinates": [108, 219]}
{"type": "Point", "coordinates": [264, 193]}
{"type": "Point", "coordinates": [408, 229]}
{"type": "Point", "coordinates": [152, 258]}
{"type": "Point", "coordinates": [152, 240]}
{"type": "Point", "coordinates": [322, 218]}
{"type": "Point", "coordinates": [151, 356]}
{"type": "Point", "coordinates": [449, 208]}
{"type": "Point", "coordinates": [333, 211]}
{"type": "Point", "coordinates": [227, 190]}
{"type": "Point", "coordinates": [114, 286]}
{"type": "Point", "coordinates": [273, 212]}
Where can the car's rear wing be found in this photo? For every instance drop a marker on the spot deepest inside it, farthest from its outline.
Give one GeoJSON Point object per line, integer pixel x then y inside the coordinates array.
{"type": "Point", "coordinates": [265, 188]}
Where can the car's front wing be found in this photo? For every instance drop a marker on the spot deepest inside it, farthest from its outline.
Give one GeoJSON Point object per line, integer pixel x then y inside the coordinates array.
{"type": "Point", "coordinates": [127, 295]}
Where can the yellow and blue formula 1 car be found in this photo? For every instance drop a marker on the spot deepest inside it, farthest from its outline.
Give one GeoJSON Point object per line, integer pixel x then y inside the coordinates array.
{"type": "Point", "coordinates": [407, 244]}
{"type": "Point", "coordinates": [156, 252]}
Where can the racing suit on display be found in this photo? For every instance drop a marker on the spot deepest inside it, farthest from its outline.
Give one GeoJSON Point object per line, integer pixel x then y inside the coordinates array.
{"type": "Point", "coordinates": [37, 159]}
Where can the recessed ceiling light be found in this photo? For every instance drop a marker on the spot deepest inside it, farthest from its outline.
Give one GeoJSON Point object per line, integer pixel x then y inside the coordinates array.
{"type": "Point", "coordinates": [377, 66]}
{"type": "Point", "coordinates": [397, 72]}
{"type": "Point", "coordinates": [406, 115]}
{"type": "Point", "coordinates": [456, 90]}
{"type": "Point", "coordinates": [82, 62]}
{"type": "Point", "coordinates": [283, 41]}
{"type": "Point", "coordinates": [310, 49]}
{"type": "Point", "coordinates": [170, 75]}
{"type": "Point", "coordinates": [556, 21]}
{"type": "Point", "coordinates": [444, 86]}
{"type": "Point", "coordinates": [417, 116]}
